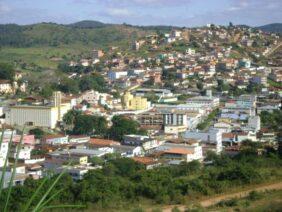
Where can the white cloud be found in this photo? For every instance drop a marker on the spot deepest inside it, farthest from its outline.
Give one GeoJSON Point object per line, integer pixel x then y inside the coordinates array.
{"type": "Point", "coordinates": [119, 12]}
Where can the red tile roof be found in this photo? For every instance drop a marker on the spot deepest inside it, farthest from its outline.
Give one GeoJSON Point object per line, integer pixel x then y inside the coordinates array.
{"type": "Point", "coordinates": [180, 151]}
{"type": "Point", "coordinates": [103, 142]}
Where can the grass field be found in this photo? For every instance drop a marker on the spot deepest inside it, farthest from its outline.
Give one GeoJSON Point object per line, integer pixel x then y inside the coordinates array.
{"type": "Point", "coordinates": [42, 56]}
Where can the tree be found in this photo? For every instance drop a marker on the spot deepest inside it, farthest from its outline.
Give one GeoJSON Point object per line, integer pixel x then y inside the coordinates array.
{"type": "Point", "coordinates": [7, 72]}
{"type": "Point", "coordinates": [95, 82]}
{"type": "Point", "coordinates": [46, 91]}
{"type": "Point", "coordinates": [67, 85]}
{"type": "Point", "coordinates": [122, 126]}
{"type": "Point", "coordinates": [37, 132]}
{"type": "Point", "coordinates": [88, 125]}
{"type": "Point", "coordinates": [200, 85]}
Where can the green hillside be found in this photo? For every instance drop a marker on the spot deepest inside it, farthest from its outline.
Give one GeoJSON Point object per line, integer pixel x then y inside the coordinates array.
{"type": "Point", "coordinates": [50, 34]}
{"type": "Point", "coordinates": [37, 45]}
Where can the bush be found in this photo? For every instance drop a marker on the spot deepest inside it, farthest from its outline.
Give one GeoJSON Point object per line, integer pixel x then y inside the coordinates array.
{"type": "Point", "coordinates": [228, 203]}
{"type": "Point", "coordinates": [254, 195]}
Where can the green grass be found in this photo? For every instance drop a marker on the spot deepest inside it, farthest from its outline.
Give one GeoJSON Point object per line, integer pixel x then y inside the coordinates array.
{"type": "Point", "coordinates": [41, 56]}
{"type": "Point", "coordinates": [264, 201]}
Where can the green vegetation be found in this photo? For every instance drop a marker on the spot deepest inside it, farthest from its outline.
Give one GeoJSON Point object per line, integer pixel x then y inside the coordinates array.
{"type": "Point", "coordinates": [255, 201]}
{"type": "Point", "coordinates": [208, 121]}
{"type": "Point", "coordinates": [275, 84]}
{"type": "Point", "coordinates": [37, 132]}
{"type": "Point", "coordinates": [88, 125]}
{"type": "Point", "coordinates": [35, 58]}
{"type": "Point", "coordinates": [272, 120]}
{"type": "Point", "coordinates": [49, 34]}
{"type": "Point", "coordinates": [40, 197]}
{"type": "Point", "coordinates": [79, 124]}
{"type": "Point", "coordinates": [94, 81]}
{"type": "Point", "coordinates": [124, 126]}
{"type": "Point", "coordinates": [6, 72]}
{"type": "Point", "coordinates": [122, 181]}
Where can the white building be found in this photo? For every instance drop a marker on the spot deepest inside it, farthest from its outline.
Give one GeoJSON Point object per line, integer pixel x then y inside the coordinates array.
{"type": "Point", "coordinates": [6, 87]}
{"type": "Point", "coordinates": [211, 138]}
{"type": "Point", "coordinates": [181, 152]}
{"type": "Point", "coordinates": [114, 75]}
{"type": "Point", "coordinates": [254, 123]}
{"type": "Point", "coordinates": [38, 115]}
{"type": "Point", "coordinates": [56, 139]}
{"type": "Point", "coordinates": [3, 153]}
{"type": "Point", "coordinates": [24, 153]}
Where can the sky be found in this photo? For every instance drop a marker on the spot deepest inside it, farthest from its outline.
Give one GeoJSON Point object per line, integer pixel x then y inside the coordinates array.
{"type": "Point", "coordinates": [143, 12]}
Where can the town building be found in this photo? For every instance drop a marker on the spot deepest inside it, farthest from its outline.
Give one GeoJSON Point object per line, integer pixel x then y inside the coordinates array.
{"type": "Point", "coordinates": [38, 115]}
{"type": "Point", "coordinates": [135, 102]}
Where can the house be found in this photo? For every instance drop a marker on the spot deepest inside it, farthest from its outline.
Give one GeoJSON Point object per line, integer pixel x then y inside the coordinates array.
{"type": "Point", "coordinates": [3, 152]}
{"type": "Point", "coordinates": [187, 151]}
{"type": "Point", "coordinates": [97, 142]}
{"type": "Point", "coordinates": [254, 123]}
{"type": "Point", "coordinates": [212, 139]}
{"type": "Point", "coordinates": [6, 87]}
{"type": "Point", "coordinates": [78, 139]}
{"type": "Point", "coordinates": [223, 126]}
{"type": "Point", "coordinates": [145, 142]}
{"type": "Point", "coordinates": [23, 154]}
{"type": "Point", "coordinates": [58, 158]}
{"type": "Point", "coordinates": [128, 151]}
{"type": "Point", "coordinates": [77, 172]}
{"type": "Point", "coordinates": [18, 179]}
{"type": "Point", "coordinates": [56, 139]}
{"type": "Point", "coordinates": [116, 74]}
{"type": "Point", "coordinates": [148, 162]}
{"type": "Point", "coordinates": [177, 154]}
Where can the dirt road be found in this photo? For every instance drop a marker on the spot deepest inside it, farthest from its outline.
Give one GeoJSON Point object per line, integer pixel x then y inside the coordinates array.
{"type": "Point", "coordinates": [214, 200]}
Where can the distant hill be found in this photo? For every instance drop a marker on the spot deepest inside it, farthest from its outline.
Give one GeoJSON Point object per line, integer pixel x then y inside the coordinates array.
{"type": "Point", "coordinates": [275, 28]}
{"type": "Point", "coordinates": [51, 34]}
{"type": "Point", "coordinates": [88, 24]}
{"type": "Point", "coordinates": [84, 32]}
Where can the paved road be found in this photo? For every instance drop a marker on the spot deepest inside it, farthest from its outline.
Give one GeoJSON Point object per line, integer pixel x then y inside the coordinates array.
{"type": "Point", "coordinates": [214, 200]}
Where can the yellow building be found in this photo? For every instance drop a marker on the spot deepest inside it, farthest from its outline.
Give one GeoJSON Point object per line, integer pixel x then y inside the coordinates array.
{"type": "Point", "coordinates": [135, 102]}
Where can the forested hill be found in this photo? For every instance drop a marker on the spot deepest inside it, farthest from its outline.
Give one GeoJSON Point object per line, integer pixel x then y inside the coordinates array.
{"type": "Point", "coordinates": [83, 32]}
{"type": "Point", "coordinates": [86, 33]}
{"type": "Point", "coordinates": [275, 28]}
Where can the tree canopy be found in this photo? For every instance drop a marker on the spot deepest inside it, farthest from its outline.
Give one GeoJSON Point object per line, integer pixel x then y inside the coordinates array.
{"type": "Point", "coordinates": [123, 126]}
{"type": "Point", "coordinates": [7, 71]}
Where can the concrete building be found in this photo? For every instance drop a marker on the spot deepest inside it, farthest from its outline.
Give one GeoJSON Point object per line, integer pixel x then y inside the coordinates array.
{"type": "Point", "coordinates": [3, 152]}
{"type": "Point", "coordinates": [139, 140]}
{"type": "Point", "coordinates": [135, 102]}
{"type": "Point", "coordinates": [212, 138]}
{"type": "Point", "coordinates": [114, 75]}
{"type": "Point", "coordinates": [38, 115]}
{"type": "Point", "coordinates": [187, 152]}
{"type": "Point", "coordinates": [254, 123]}
{"type": "Point", "coordinates": [175, 122]}
{"type": "Point", "coordinates": [209, 101]}
{"type": "Point", "coordinates": [6, 87]}
{"type": "Point", "coordinates": [157, 92]}
{"type": "Point", "coordinates": [56, 139]}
